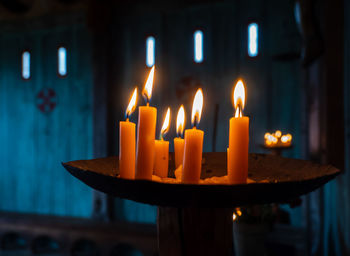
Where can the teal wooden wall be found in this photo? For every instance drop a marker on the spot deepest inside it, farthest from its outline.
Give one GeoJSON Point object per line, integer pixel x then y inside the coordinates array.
{"type": "Point", "coordinates": [33, 144]}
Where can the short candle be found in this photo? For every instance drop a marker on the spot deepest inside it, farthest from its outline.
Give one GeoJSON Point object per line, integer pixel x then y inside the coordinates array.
{"type": "Point", "coordinates": [192, 161]}
{"type": "Point", "coordinates": [179, 142]}
{"type": "Point", "coordinates": [161, 157]}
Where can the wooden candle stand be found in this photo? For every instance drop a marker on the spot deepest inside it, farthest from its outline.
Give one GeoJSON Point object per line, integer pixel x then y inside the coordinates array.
{"type": "Point", "coordinates": [197, 219]}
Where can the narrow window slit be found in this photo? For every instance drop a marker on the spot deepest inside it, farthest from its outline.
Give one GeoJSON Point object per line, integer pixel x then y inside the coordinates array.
{"type": "Point", "coordinates": [253, 36]}
{"type": "Point", "coordinates": [150, 51]}
{"type": "Point", "coordinates": [62, 61]}
{"type": "Point", "coordinates": [198, 46]}
{"type": "Point", "coordinates": [26, 65]}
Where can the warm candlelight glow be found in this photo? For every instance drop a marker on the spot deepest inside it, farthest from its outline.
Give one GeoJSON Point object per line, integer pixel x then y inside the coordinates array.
{"type": "Point", "coordinates": [165, 127]}
{"type": "Point", "coordinates": [239, 98]}
{"type": "Point", "coordinates": [147, 91]}
{"type": "Point", "coordinates": [278, 134]}
{"type": "Point", "coordinates": [132, 104]}
{"type": "Point", "coordinates": [197, 107]}
{"type": "Point", "coordinates": [284, 139]}
{"type": "Point", "coordinates": [276, 139]}
{"type": "Point", "coordinates": [180, 121]}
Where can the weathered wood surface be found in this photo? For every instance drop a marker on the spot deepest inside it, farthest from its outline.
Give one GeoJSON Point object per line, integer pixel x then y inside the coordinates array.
{"type": "Point", "coordinates": [287, 179]}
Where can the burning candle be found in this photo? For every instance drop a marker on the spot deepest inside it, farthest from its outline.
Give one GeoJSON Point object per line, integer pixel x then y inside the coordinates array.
{"type": "Point", "coordinates": [192, 159]}
{"type": "Point", "coordinates": [146, 134]}
{"type": "Point", "coordinates": [238, 139]}
{"type": "Point", "coordinates": [179, 141]}
{"type": "Point", "coordinates": [127, 142]}
{"type": "Point", "coordinates": [161, 160]}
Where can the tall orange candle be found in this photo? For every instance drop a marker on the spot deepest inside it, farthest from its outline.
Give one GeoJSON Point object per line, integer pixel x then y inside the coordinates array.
{"type": "Point", "coordinates": [238, 139]}
{"type": "Point", "coordinates": [146, 131]}
{"type": "Point", "coordinates": [127, 142]}
{"type": "Point", "coordinates": [161, 159]}
{"type": "Point", "coordinates": [192, 161]}
{"type": "Point", "coordinates": [179, 142]}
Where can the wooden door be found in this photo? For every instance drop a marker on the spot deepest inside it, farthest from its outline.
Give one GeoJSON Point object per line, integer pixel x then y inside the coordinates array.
{"type": "Point", "coordinates": [34, 141]}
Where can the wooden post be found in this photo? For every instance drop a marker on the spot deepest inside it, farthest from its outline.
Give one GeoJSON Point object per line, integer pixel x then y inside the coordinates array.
{"type": "Point", "coordinates": [194, 231]}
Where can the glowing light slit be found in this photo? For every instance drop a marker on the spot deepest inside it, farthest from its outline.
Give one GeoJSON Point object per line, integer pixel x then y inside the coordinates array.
{"type": "Point", "coordinates": [26, 65]}
{"type": "Point", "coordinates": [62, 61]}
{"type": "Point", "coordinates": [198, 46]}
{"type": "Point", "coordinates": [253, 36]}
{"type": "Point", "coordinates": [150, 51]}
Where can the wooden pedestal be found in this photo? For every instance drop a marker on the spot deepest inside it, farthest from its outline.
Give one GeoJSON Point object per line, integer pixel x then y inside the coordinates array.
{"type": "Point", "coordinates": [196, 219]}
{"type": "Point", "coordinates": [194, 231]}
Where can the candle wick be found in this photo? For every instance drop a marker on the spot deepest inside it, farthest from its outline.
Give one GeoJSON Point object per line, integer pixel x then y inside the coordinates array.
{"type": "Point", "coordinates": [195, 122]}
{"type": "Point", "coordinates": [144, 95]}
{"type": "Point", "coordinates": [127, 119]}
{"type": "Point", "coordinates": [179, 134]}
{"type": "Point", "coordinates": [239, 112]}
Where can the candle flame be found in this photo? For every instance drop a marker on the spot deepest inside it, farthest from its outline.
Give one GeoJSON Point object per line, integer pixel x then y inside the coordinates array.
{"type": "Point", "coordinates": [239, 98]}
{"type": "Point", "coordinates": [147, 91]}
{"type": "Point", "coordinates": [165, 127]}
{"type": "Point", "coordinates": [284, 139]}
{"type": "Point", "coordinates": [132, 104]}
{"type": "Point", "coordinates": [234, 217]}
{"type": "Point", "coordinates": [180, 121]}
{"type": "Point", "coordinates": [197, 107]}
{"type": "Point", "coordinates": [278, 134]}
